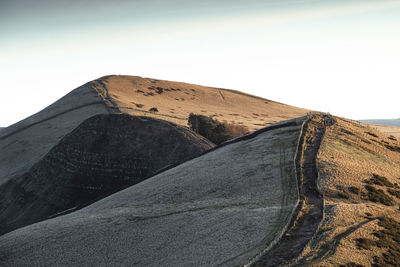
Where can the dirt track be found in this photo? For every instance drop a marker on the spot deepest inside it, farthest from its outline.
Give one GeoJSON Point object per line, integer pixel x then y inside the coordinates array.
{"type": "Point", "coordinates": [309, 213]}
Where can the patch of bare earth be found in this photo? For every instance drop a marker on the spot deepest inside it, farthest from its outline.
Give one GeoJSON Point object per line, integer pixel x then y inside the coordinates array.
{"type": "Point", "coordinates": [359, 170]}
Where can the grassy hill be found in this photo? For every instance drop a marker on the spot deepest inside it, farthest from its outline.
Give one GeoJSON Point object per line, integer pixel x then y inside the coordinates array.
{"type": "Point", "coordinates": [41, 163]}
{"type": "Point", "coordinates": [359, 170]}
{"type": "Point", "coordinates": [312, 191]}
{"type": "Point", "coordinates": [222, 208]}
{"type": "Point", "coordinates": [174, 101]}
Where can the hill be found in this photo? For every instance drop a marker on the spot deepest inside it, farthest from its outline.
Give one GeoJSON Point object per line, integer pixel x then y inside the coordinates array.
{"type": "Point", "coordinates": [359, 169]}
{"type": "Point", "coordinates": [174, 101]}
{"type": "Point", "coordinates": [33, 137]}
{"type": "Point", "coordinates": [315, 191]}
{"type": "Point", "coordinates": [222, 208]}
{"type": "Point", "coordinates": [104, 154]}
{"type": "Point", "coordinates": [41, 161]}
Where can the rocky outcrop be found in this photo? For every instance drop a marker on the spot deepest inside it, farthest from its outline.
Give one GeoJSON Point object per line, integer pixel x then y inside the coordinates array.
{"type": "Point", "coordinates": [104, 154]}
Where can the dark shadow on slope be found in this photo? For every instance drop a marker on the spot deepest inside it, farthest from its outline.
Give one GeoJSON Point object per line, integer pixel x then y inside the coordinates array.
{"type": "Point", "coordinates": [104, 154]}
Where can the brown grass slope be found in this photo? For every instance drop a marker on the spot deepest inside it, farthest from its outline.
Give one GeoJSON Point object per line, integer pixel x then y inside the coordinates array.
{"type": "Point", "coordinates": [175, 100]}
{"type": "Point", "coordinates": [389, 130]}
{"type": "Point", "coordinates": [359, 175]}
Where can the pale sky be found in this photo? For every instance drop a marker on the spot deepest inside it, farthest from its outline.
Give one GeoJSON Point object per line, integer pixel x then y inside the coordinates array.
{"type": "Point", "coordinates": [337, 56]}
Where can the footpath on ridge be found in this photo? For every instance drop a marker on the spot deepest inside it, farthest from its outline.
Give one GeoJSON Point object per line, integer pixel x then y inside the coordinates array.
{"type": "Point", "coordinates": [310, 210]}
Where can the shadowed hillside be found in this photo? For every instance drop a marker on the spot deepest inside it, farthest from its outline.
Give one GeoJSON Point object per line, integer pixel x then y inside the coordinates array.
{"type": "Point", "coordinates": [104, 154]}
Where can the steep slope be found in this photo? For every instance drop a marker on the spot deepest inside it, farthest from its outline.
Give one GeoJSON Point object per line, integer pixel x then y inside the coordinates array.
{"type": "Point", "coordinates": [222, 208]}
{"type": "Point", "coordinates": [359, 170]}
{"type": "Point", "coordinates": [24, 143]}
{"type": "Point", "coordinates": [103, 154]}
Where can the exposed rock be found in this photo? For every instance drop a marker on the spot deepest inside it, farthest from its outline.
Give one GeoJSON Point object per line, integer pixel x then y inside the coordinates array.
{"type": "Point", "coordinates": [104, 154]}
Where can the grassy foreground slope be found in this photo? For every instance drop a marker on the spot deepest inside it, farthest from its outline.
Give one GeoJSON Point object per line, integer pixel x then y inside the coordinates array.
{"type": "Point", "coordinates": [359, 175]}
{"type": "Point", "coordinates": [222, 208]}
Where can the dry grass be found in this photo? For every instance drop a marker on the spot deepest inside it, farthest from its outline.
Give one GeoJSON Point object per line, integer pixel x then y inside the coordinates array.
{"type": "Point", "coordinates": [359, 176]}
{"type": "Point", "coordinates": [175, 101]}
{"type": "Point", "coordinates": [389, 130]}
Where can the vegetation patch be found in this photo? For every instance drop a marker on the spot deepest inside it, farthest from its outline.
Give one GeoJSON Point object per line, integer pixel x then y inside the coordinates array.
{"type": "Point", "coordinates": [392, 138]}
{"type": "Point", "coordinates": [388, 238]}
{"type": "Point", "coordinates": [214, 130]}
{"type": "Point", "coordinates": [346, 131]}
{"type": "Point", "coordinates": [158, 90]}
{"type": "Point", "coordinates": [393, 148]}
{"type": "Point", "coordinates": [366, 141]}
{"type": "Point", "coordinates": [378, 196]}
{"type": "Point", "coordinates": [343, 195]}
{"type": "Point", "coordinates": [153, 109]}
{"type": "Point", "coordinates": [365, 243]}
{"type": "Point", "coordinates": [394, 192]}
{"type": "Point", "coordinates": [354, 190]}
{"type": "Point", "coordinates": [351, 264]}
{"type": "Point", "coordinates": [371, 134]}
{"type": "Point", "coordinates": [379, 180]}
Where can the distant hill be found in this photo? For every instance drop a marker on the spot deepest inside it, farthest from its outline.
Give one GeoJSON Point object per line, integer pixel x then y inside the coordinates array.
{"type": "Point", "coordinates": [385, 122]}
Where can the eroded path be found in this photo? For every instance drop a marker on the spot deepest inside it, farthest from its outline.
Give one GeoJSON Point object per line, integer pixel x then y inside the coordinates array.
{"type": "Point", "coordinates": [309, 212]}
